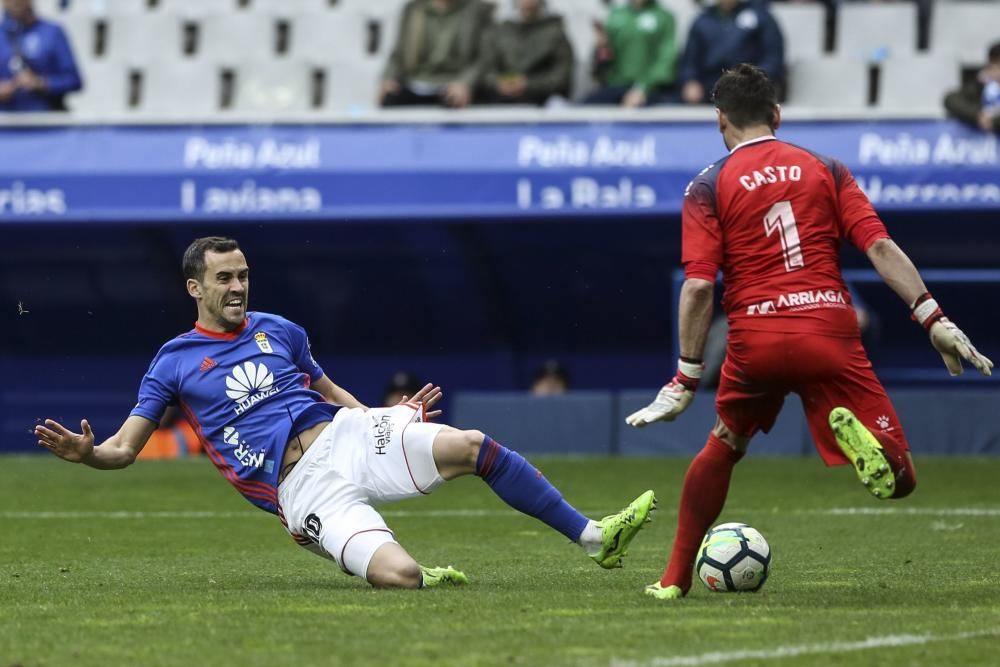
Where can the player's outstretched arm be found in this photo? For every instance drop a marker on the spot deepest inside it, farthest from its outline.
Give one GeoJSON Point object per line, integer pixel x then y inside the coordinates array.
{"type": "Point", "coordinates": [902, 276]}
{"type": "Point", "coordinates": [695, 310]}
{"type": "Point", "coordinates": [118, 451]}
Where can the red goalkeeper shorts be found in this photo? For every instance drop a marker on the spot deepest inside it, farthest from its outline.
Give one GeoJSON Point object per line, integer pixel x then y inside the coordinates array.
{"type": "Point", "coordinates": [761, 368]}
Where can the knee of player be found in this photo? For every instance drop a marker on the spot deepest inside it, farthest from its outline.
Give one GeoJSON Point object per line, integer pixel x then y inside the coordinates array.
{"type": "Point", "coordinates": [472, 442]}
{"type": "Point", "coordinates": [402, 575]}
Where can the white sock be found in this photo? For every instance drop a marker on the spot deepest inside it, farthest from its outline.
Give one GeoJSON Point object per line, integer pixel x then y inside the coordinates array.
{"type": "Point", "coordinates": [590, 538]}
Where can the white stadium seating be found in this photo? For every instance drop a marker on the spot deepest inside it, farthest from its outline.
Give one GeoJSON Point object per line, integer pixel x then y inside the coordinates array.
{"type": "Point", "coordinates": [917, 82]}
{"type": "Point", "coordinates": [863, 30]}
{"type": "Point", "coordinates": [830, 83]}
{"type": "Point", "coordinates": [802, 26]}
{"type": "Point", "coordinates": [348, 41]}
{"type": "Point", "coordinates": [966, 29]}
{"type": "Point", "coordinates": [273, 86]}
{"type": "Point", "coordinates": [180, 89]}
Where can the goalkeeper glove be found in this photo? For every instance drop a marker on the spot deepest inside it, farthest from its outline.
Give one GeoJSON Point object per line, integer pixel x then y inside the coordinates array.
{"type": "Point", "coordinates": [947, 338]}
{"type": "Point", "coordinates": [673, 398]}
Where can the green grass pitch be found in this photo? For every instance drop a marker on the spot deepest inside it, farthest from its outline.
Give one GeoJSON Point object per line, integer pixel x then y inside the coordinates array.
{"type": "Point", "coordinates": [190, 574]}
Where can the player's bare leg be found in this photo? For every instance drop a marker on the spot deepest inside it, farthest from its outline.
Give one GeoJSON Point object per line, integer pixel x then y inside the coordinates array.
{"type": "Point", "coordinates": [706, 486]}
{"type": "Point", "coordinates": [521, 486]}
{"type": "Point", "coordinates": [392, 567]}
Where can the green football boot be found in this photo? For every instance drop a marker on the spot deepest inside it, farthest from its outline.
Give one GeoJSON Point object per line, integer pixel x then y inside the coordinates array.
{"type": "Point", "coordinates": [864, 452]}
{"type": "Point", "coordinates": [436, 576]}
{"type": "Point", "coordinates": [618, 530]}
{"type": "Point", "coordinates": [660, 592]}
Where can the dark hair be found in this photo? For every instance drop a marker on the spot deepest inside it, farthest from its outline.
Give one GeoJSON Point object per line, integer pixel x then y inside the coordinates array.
{"type": "Point", "coordinates": [404, 383]}
{"type": "Point", "coordinates": [993, 55]}
{"type": "Point", "coordinates": [193, 263]}
{"type": "Point", "coordinates": [553, 369]}
{"type": "Point", "coordinates": [746, 96]}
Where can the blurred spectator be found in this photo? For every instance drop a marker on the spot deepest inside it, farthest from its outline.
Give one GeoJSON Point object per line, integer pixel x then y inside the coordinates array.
{"type": "Point", "coordinates": [174, 439]}
{"type": "Point", "coordinates": [978, 101]}
{"type": "Point", "coordinates": [402, 384]}
{"type": "Point", "coordinates": [36, 63]}
{"type": "Point", "coordinates": [725, 35]}
{"type": "Point", "coordinates": [635, 55]}
{"type": "Point", "coordinates": [552, 379]}
{"type": "Point", "coordinates": [528, 58]}
{"type": "Point", "coordinates": [437, 58]}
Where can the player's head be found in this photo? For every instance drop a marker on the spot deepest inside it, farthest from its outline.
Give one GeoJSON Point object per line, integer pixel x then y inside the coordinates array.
{"type": "Point", "coordinates": [218, 279]}
{"type": "Point", "coordinates": [19, 10]}
{"type": "Point", "coordinates": [745, 99]}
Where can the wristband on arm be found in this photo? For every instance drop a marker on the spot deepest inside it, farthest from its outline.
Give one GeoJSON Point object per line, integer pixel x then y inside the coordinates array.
{"type": "Point", "coordinates": [926, 311]}
{"type": "Point", "coordinates": [689, 373]}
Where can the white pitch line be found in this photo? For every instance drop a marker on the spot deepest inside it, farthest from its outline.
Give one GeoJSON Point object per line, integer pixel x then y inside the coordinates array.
{"type": "Point", "coordinates": [825, 648]}
{"type": "Point", "coordinates": [477, 513]}
{"type": "Point", "coordinates": [912, 511]}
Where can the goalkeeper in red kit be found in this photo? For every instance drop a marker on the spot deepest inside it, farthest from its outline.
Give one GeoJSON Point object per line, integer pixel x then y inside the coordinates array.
{"type": "Point", "coordinates": [771, 216]}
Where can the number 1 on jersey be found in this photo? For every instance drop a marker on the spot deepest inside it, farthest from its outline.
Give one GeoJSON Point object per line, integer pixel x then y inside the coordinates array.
{"type": "Point", "coordinates": [780, 217]}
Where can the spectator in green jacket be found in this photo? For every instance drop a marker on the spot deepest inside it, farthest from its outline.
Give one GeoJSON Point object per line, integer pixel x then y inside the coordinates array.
{"type": "Point", "coordinates": [527, 59]}
{"type": "Point", "coordinates": [437, 58]}
{"type": "Point", "coordinates": [635, 56]}
{"type": "Point", "coordinates": [977, 103]}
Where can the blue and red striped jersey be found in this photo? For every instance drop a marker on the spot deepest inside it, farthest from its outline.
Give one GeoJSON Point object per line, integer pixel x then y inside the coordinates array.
{"type": "Point", "coordinates": [245, 393]}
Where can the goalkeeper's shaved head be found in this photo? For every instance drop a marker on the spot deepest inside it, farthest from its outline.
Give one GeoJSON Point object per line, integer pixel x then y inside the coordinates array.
{"type": "Point", "coordinates": [747, 96]}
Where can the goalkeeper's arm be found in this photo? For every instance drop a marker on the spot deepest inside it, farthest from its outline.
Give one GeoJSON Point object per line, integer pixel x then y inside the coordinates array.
{"type": "Point", "coordinates": [695, 317]}
{"type": "Point", "coordinates": [902, 276]}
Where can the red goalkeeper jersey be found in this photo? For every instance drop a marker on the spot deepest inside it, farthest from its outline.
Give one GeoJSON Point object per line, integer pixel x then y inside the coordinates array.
{"type": "Point", "coordinates": [771, 216]}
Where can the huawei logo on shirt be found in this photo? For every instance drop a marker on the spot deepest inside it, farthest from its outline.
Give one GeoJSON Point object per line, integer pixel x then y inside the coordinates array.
{"type": "Point", "coordinates": [249, 384]}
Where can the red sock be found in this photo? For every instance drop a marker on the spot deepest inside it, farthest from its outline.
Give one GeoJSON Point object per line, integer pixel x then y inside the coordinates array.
{"type": "Point", "coordinates": [705, 487]}
{"type": "Point", "coordinates": [900, 462]}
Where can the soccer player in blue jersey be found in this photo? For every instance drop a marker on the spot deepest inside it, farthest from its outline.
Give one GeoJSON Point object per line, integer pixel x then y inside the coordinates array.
{"type": "Point", "coordinates": [295, 444]}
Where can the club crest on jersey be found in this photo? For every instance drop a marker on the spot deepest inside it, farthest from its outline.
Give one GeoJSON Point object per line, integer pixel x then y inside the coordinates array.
{"type": "Point", "coordinates": [249, 384]}
{"type": "Point", "coordinates": [262, 342]}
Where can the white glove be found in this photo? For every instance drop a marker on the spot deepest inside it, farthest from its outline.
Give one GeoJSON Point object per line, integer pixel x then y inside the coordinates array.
{"type": "Point", "coordinates": [947, 338]}
{"type": "Point", "coordinates": [672, 399]}
{"type": "Point", "coordinates": [954, 346]}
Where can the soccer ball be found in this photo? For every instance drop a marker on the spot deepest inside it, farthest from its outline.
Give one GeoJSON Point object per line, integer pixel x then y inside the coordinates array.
{"type": "Point", "coordinates": [734, 557]}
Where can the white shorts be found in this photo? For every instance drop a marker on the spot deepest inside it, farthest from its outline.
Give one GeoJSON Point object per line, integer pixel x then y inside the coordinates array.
{"type": "Point", "coordinates": [363, 458]}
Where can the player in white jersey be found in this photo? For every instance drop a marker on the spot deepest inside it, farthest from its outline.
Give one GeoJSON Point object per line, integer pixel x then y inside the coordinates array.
{"type": "Point", "coordinates": [264, 410]}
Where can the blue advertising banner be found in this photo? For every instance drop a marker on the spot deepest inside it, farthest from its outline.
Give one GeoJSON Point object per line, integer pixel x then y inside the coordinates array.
{"type": "Point", "coordinates": [340, 172]}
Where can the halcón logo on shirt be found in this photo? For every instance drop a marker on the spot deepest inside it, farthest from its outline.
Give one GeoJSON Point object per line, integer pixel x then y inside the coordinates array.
{"type": "Point", "coordinates": [249, 384]}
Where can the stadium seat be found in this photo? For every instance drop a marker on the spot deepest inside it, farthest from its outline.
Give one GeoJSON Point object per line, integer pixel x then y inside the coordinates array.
{"type": "Point", "coordinates": [224, 38]}
{"type": "Point", "coordinates": [273, 86]}
{"type": "Point", "coordinates": [180, 89]}
{"type": "Point", "coordinates": [81, 32]}
{"type": "Point", "coordinates": [828, 83]}
{"type": "Point", "coordinates": [802, 26]}
{"type": "Point", "coordinates": [580, 31]}
{"type": "Point", "coordinates": [311, 37]}
{"type": "Point", "coordinates": [141, 38]}
{"type": "Point", "coordinates": [965, 29]}
{"type": "Point", "coordinates": [917, 83]}
{"type": "Point", "coordinates": [293, 7]}
{"type": "Point", "coordinates": [386, 15]}
{"type": "Point", "coordinates": [105, 90]}
{"type": "Point", "coordinates": [351, 86]}
{"type": "Point", "coordinates": [194, 8]}
{"type": "Point", "coordinates": [876, 31]}
{"type": "Point", "coordinates": [49, 9]}
{"type": "Point", "coordinates": [106, 7]}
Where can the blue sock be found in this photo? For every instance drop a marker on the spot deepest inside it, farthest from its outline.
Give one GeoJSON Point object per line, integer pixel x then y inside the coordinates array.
{"type": "Point", "coordinates": [522, 487]}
